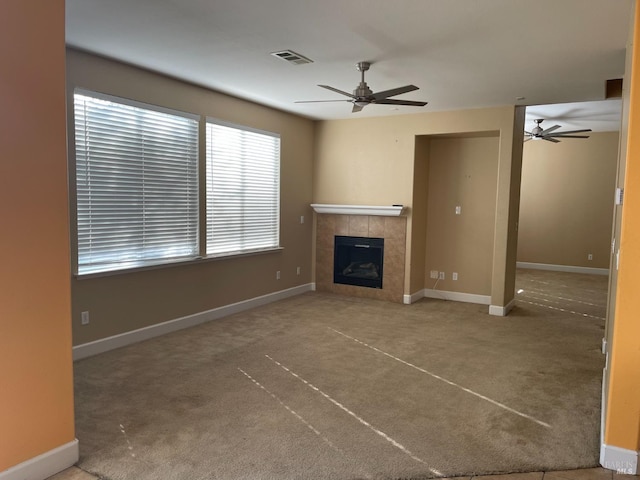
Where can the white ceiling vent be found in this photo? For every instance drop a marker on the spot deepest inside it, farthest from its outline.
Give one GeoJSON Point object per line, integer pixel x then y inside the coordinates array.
{"type": "Point", "coordinates": [292, 57]}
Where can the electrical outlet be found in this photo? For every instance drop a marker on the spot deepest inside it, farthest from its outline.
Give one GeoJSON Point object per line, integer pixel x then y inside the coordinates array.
{"type": "Point", "coordinates": [301, 218]}
{"type": "Point", "coordinates": [458, 209]}
{"type": "Point", "coordinates": [590, 257]}
{"type": "Point", "coordinates": [278, 275]}
{"type": "Point", "coordinates": [434, 274]}
{"type": "Point", "coordinates": [441, 276]}
{"type": "Point", "coordinates": [297, 270]}
{"type": "Point", "coordinates": [454, 276]}
{"type": "Point", "coordinates": [84, 318]}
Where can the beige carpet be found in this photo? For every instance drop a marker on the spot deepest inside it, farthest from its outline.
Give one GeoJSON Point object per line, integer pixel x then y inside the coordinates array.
{"type": "Point", "coordinates": [321, 386]}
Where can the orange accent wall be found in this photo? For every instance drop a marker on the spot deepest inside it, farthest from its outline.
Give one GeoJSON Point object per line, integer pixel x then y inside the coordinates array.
{"type": "Point", "coordinates": [36, 389]}
{"type": "Point", "coordinates": [623, 413]}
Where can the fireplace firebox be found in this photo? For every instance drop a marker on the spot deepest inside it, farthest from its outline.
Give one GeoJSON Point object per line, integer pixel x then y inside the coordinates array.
{"type": "Point", "coordinates": [358, 261]}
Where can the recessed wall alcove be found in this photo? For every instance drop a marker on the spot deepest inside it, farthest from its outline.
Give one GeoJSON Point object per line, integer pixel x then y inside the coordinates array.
{"type": "Point", "coordinates": [454, 213]}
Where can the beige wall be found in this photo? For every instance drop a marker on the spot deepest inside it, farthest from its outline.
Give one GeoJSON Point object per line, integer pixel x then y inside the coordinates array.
{"type": "Point", "coordinates": [371, 161]}
{"type": "Point", "coordinates": [128, 301]}
{"type": "Point", "coordinates": [36, 389]}
{"type": "Point", "coordinates": [566, 207]}
{"type": "Point", "coordinates": [462, 172]}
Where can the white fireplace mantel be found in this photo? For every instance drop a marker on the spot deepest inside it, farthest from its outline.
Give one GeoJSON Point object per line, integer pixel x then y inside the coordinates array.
{"type": "Point", "coordinates": [379, 210]}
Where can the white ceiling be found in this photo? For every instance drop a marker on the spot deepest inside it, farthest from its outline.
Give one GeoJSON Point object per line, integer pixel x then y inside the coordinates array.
{"type": "Point", "coordinates": [461, 53]}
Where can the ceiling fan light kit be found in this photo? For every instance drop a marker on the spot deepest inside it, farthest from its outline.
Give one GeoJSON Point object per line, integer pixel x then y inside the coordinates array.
{"type": "Point", "coordinates": [363, 95]}
{"type": "Point", "coordinates": [551, 134]}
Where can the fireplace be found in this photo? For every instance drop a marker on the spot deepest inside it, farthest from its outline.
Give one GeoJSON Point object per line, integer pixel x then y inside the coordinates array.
{"type": "Point", "coordinates": [358, 261]}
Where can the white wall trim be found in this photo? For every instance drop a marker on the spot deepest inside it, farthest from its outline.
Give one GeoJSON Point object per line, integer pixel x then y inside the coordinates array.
{"type": "Point", "coordinates": [413, 298]}
{"type": "Point", "coordinates": [457, 296]}
{"type": "Point", "coordinates": [45, 465]}
{"type": "Point", "coordinates": [619, 459]}
{"type": "Point", "coordinates": [500, 311]}
{"type": "Point", "coordinates": [116, 341]}
{"type": "Point", "coordinates": [563, 268]}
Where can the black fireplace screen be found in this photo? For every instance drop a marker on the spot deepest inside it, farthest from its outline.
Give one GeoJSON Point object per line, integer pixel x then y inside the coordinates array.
{"type": "Point", "coordinates": [358, 261]}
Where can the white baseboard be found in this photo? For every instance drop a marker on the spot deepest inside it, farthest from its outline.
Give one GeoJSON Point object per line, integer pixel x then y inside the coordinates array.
{"type": "Point", "coordinates": [563, 268]}
{"type": "Point", "coordinates": [413, 298]}
{"type": "Point", "coordinates": [499, 311]}
{"type": "Point", "coordinates": [619, 459]}
{"type": "Point", "coordinates": [45, 465]}
{"type": "Point", "coordinates": [457, 296]}
{"type": "Point", "coordinates": [116, 341]}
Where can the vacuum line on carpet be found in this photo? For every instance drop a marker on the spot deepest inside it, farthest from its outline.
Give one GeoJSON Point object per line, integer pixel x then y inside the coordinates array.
{"type": "Point", "coordinates": [557, 301]}
{"type": "Point", "coordinates": [126, 437]}
{"type": "Point", "coordinates": [354, 415]}
{"type": "Point", "coordinates": [449, 382]}
{"type": "Point", "coordinates": [298, 416]}
{"type": "Point", "coordinates": [573, 300]}
{"type": "Point", "coordinates": [562, 310]}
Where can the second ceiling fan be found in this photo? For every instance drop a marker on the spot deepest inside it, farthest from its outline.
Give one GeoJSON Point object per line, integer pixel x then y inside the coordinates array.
{"type": "Point", "coordinates": [363, 95]}
{"type": "Point", "coordinates": [551, 134]}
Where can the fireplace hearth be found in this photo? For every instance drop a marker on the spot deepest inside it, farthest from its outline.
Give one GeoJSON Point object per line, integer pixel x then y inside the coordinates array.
{"type": "Point", "coordinates": [358, 261]}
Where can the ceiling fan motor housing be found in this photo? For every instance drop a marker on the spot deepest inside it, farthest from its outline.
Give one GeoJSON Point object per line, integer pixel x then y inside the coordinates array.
{"type": "Point", "coordinates": [537, 130]}
{"type": "Point", "coordinates": [362, 91]}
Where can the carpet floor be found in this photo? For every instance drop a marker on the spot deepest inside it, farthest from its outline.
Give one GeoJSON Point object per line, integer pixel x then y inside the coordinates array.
{"type": "Point", "coordinates": [321, 386]}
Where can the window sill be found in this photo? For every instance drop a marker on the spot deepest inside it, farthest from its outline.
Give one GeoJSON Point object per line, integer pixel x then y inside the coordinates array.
{"type": "Point", "coordinates": [176, 263]}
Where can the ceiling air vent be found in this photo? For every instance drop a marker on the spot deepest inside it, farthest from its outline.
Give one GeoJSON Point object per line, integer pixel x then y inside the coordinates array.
{"type": "Point", "coordinates": [292, 57]}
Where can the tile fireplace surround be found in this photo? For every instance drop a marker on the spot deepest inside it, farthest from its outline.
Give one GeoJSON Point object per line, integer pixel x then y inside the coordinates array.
{"type": "Point", "coordinates": [392, 229]}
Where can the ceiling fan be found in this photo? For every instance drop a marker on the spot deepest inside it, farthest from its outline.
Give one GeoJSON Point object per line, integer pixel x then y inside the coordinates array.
{"type": "Point", "coordinates": [363, 96]}
{"type": "Point", "coordinates": [538, 133]}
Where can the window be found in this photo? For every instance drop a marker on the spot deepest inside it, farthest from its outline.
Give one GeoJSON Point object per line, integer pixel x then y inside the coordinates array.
{"type": "Point", "coordinates": [138, 193]}
{"type": "Point", "coordinates": [137, 184]}
{"type": "Point", "coordinates": [243, 189]}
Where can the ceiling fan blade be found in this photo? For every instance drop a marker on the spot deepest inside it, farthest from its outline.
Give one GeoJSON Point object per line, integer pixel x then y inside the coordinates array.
{"type": "Point", "coordinates": [356, 108]}
{"type": "Point", "coordinates": [550, 139]}
{"type": "Point", "coordinates": [568, 136]}
{"type": "Point", "coordinates": [393, 92]}
{"type": "Point", "coordinates": [319, 101]}
{"type": "Point", "coordinates": [527, 139]}
{"type": "Point", "coordinates": [573, 131]}
{"type": "Point", "coordinates": [337, 91]}
{"type": "Point", "coordinates": [550, 129]}
{"type": "Point", "coordinates": [410, 103]}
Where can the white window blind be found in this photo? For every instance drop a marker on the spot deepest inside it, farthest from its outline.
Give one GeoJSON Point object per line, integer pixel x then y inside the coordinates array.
{"type": "Point", "coordinates": [243, 189]}
{"type": "Point", "coordinates": [137, 184]}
